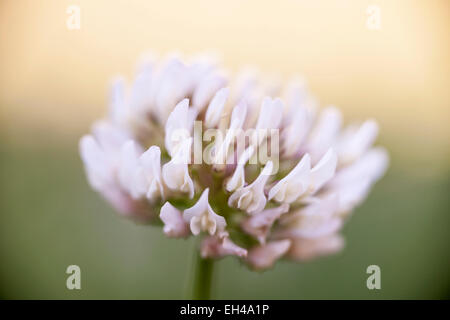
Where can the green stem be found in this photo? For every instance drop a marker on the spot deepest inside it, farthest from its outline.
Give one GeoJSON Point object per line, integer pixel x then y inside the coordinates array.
{"type": "Point", "coordinates": [204, 269]}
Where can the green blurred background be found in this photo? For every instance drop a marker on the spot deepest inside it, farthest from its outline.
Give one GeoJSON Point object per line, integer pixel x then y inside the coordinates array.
{"type": "Point", "coordinates": [53, 84]}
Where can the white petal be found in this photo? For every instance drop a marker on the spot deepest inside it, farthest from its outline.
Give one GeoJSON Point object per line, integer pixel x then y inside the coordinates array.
{"type": "Point", "coordinates": [177, 126]}
{"type": "Point", "coordinates": [323, 171]}
{"type": "Point", "coordinates": [214, 247]}
{"type": "Point", "coordinates": [206, 90]}
{"type": "Point", "coordinates": [295, 184]}
{"type": "Point", "coordinates": [98, 168]}
{"type": "Point", "coordinates": [174, 224]}
{"type": "Point", "coordinates": [324, 133]}
{"type": "Point", "coordinates": [110, 137]}
{"type": "Point", "coordinates": [259, 224]}
{"type": "Point", "coordinates": [315, 220]}
{"type": "Point", "coordinates": [175, 172]}
{"type": "Point", "coordinates": [252, 198]}
{"type": "Point", "coordinates": [295, 133]}
{"type": "Point", "coordinates": [128, 168]}
{"type": "Point", "coordinates": [263, 257]}
{"type": "Point", "coordinates": [117, 102]}
{"type": "Point", "coordinates": [238, 115]}
{"type": "Point", "coordinates": [201, 217]}
{"type": "Point", "coordinates": [237, 180]}
{"type": "Point", "coordinates": [150, 162]}
{"type": "Point", "coordinates": [372, 165]}
{"type": "Point", "coordinates": [270, 114]}
{"type": "Point", "coordinates": [141, 98]}
{"type": "Point", "coordinates": [307, 249]}
{"type": "Point", "coordinates": [355, 141]}
{"type": "Point", "coordinates": [215, 109]}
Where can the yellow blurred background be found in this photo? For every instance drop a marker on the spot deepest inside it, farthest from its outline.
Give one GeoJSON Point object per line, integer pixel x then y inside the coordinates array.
{"type": "Point", "coordinates": [56, 78]}
{"type": "Point", "coordinates": [54, 81]}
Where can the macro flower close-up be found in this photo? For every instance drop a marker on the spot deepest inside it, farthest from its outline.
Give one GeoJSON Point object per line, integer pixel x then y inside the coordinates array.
{"type": "Point", "coordinates": [255, 169]}
{"type": "Point", "coordinates": [224, 159]}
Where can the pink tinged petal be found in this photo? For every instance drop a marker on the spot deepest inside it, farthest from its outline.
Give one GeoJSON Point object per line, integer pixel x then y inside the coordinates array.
{"type": "Point", "coordinates": [307, 249]}
{"type": "Point", "coordinates": [323, 171]}
{"type": "Point", "coordinates": [215, 109]}
{"type": "Point", "coordinates": [315, 220]}
{"type": "Point", "coordinates": [324, 133]}
{"type": "Point", "coordinates": [117, 103]}
{"type": "Point", "coordinates": [201, 217]}
{"type": "Point", "coordinates": [150, 162]}
{"type": "Point", "coordinates": [206, 89]}
{"type": "Point", "coordinates": [270, 114]}
{"type": "Point", "coordinates": [260, 224]}
{"type": "Point", "coordinates": [128, 168]}
{"type": "Point", "coordinates": [264, 256]}
{"type": "Point", "coordinates": [174, 85]}
{"type": "Point", "coordinates": [238, 115]}
{"type": "Point", "coordinates": [244, 84]}
{"type": "Point", "coordinates": [252, 198]}
{"type": "Point", "coordinates": [224, 151]}
{"type": "Point", "coordinates": [178, 126]}
{"type": "Point", "coordinates": [237, 180]}
{"type": "Point", "coordinates": [98, 168]}
{"type": "Point", "coordinates": [215, 247]}
{"type": "Point", "coordinates": [174, 224]}
{"type": "Point", "coordinates": [175, 173]}
{"type": "Point", "coordinates": [294, 135]}
{"type": "Point", "coordinates": [141, 95]}
{"type": "Point", "coordinates": [356, 141]}
{"type": "Point", "coordinates": [372, 165]}
{"type": "Point", "coordinates": [110, 137]}
{"type": "Point", "coordinates": [295, 184]}
{"type": "Point", "coordinates": [353, 194]}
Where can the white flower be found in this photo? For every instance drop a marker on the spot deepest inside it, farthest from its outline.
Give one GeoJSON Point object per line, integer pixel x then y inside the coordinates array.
{"type": "Point", "coordinates": [176, 173]}
{"type": "Point", "coordinates": [302, 180]}
{"type": "Point", "coordinates": [252, 198]}
{"type": "Point", "coordinates": [201, 217]}
{"type": "Point", "coordinates": [139, 158]}
{"type": "Point", "coordinates": [174, 224]}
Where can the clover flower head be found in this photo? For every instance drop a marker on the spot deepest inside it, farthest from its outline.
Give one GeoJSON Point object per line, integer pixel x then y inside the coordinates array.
{"type": "Point", "coordinates": [254, 168]}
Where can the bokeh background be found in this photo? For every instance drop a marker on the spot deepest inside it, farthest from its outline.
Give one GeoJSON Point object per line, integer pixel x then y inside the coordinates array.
{"type": "Point", "coordinates": [53, 84]}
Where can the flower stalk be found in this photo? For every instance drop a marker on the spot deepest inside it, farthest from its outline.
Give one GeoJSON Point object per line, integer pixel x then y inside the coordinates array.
{"type": "Point", "coordinates": [203, 277]}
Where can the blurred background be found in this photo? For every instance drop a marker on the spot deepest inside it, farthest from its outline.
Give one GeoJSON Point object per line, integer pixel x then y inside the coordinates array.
{"type": "Point", "coordinates": [54, 82]}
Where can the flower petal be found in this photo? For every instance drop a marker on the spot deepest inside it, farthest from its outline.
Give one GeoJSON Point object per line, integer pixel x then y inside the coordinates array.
{"type": "Point", "coordinates": [174, 224]}
{"type": "Point", "coordinates": [214, 247]}
{"type": "Point", "coordinates": [201, 217]}
{"type": "Point", "coordinates": [264, 256]}
{"type": "Point", "coordinates": [215, 109]}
